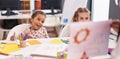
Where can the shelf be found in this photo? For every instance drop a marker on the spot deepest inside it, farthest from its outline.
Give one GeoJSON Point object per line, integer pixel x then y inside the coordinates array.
{"type": "Point", "coordinates": [24, 0]}
{"type": "Point", "coordinates": [35, 5]}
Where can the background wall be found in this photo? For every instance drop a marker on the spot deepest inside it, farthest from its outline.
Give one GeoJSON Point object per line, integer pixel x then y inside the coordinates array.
{"type": "Point", "coordinates": [100, 10]}
{"type": "Point", "coordinates": [114, 10]}
{"type": "Point", "coordinates": [69, 8]}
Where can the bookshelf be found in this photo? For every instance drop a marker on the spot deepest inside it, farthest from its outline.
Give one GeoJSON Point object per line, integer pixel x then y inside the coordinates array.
{"type": "Point", "coordinates": [25, 6]}
{"type": "Point", "coordinates": [37, 5]}
{"type": "Point", "coordinates": [28, 6]}
{"type": "Point", "coordinates": [31, 5]}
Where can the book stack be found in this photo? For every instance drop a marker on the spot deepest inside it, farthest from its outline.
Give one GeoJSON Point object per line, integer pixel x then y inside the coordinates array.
{"type": "Point", "coordinates": [38, 4]}
{"type": "Point", "coordinates": [25, 5]}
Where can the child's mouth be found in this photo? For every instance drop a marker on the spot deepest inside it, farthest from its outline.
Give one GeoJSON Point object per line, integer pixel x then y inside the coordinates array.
{"type": "Point", "coordinates": [38, 25]}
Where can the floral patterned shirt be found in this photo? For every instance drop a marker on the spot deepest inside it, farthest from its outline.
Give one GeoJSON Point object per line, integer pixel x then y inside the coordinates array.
{"type": "Point", "coordinates": [34, 34]}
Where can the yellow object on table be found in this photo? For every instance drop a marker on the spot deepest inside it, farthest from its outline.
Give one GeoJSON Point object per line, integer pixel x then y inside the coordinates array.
{"type": "Point", "coordinates": [9, 47]}
{"type": "Point", "coordinates": [56, 41]}
{"type": "Point", "coordinates": [32, 42]}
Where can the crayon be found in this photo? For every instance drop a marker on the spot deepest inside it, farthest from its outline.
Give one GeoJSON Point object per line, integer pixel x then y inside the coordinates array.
{"type": "Point", "coordinates": [20, 37]}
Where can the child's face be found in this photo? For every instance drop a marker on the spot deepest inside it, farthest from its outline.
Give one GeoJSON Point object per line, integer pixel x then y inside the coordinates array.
{"type": "Point", "coordinates": [83, 17]}
{"type": "Point", "coordinates": [37, 21]}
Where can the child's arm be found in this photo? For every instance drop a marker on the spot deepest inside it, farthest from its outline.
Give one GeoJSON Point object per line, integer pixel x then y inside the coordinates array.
{"type": "Point", "coordinates": [12, 37]}
{"type": "Point", "coordinates": [25, 33]}
{"type": "Point", "coordinates": [46, 33]}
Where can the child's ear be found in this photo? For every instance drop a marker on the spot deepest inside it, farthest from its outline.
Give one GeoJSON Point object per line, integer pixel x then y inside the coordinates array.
{"type": "Point", "coordinates": [30, 20]}
{"type": "Point", "coordinates": [76, 19]}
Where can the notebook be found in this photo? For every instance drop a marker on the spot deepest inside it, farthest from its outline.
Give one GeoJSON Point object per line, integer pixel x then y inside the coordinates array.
{"type": "Point", "coordinates": [88, 39]}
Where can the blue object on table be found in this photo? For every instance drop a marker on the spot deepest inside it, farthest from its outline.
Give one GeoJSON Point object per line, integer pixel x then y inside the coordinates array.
{"type": "Point", "coordinates": [64, 41]}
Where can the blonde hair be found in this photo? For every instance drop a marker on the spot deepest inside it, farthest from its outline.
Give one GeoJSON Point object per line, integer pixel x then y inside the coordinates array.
{"type": "Point", "coordinates": [79, 10]}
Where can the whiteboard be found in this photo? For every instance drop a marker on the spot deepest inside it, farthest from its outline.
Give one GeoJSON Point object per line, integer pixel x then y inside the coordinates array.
{"type": "Point", "coordinates": [70, 6]}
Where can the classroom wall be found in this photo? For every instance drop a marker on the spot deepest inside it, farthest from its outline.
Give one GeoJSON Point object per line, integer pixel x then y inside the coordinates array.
{"type": "Point", "coordinates": [69, 8]}
{"type": "Point", "coordinates": [100, 10]}
{"type": "Point", "coordinates": [114, 10]}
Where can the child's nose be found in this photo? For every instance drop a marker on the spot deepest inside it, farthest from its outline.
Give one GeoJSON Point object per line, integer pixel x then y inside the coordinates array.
{"type": "Point", "coordinates": [40, 23]}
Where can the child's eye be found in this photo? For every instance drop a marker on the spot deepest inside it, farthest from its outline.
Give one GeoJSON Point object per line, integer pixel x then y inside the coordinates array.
{"type": "Point", "coordinates": [86, 18]}
{"type": "Point", "coordinates": [42, 21]}
{"type": "Point", "coordinates": [39, 19]}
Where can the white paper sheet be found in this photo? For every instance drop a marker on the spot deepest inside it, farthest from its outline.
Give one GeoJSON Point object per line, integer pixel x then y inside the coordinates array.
{"type": "Point", "coordinates": [95, 43]}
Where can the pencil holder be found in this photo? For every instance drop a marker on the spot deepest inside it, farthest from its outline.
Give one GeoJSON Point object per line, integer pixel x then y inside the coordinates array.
{"type": "Point", "coordinates": [22, 44]}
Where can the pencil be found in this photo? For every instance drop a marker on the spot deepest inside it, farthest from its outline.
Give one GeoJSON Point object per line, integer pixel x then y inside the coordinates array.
{"type": "Point", "coordinates": [38, 55]}
{"type": "Point", "coordinates": [1, 53]}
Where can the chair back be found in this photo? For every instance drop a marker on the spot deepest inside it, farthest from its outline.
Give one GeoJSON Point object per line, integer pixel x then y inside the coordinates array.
{"type": "Point", "coordinates": [51, 21]}
{"type": "Point", "coordinates": [17, 30]}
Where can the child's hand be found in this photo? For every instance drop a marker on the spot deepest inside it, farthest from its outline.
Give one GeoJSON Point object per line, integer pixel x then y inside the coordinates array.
{"type": "Point", "coordinates": [12, 37]}
{"type": "Point", "coordinates": [115, 24]}
{"type": "Point", "coordinates": [84, 56]}
{"type": "Point", "coordinates": [27, 36]}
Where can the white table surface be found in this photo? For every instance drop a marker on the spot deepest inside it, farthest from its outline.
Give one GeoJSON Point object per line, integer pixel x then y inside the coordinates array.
{"type": "Point", "coordinates": [29, 49]}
